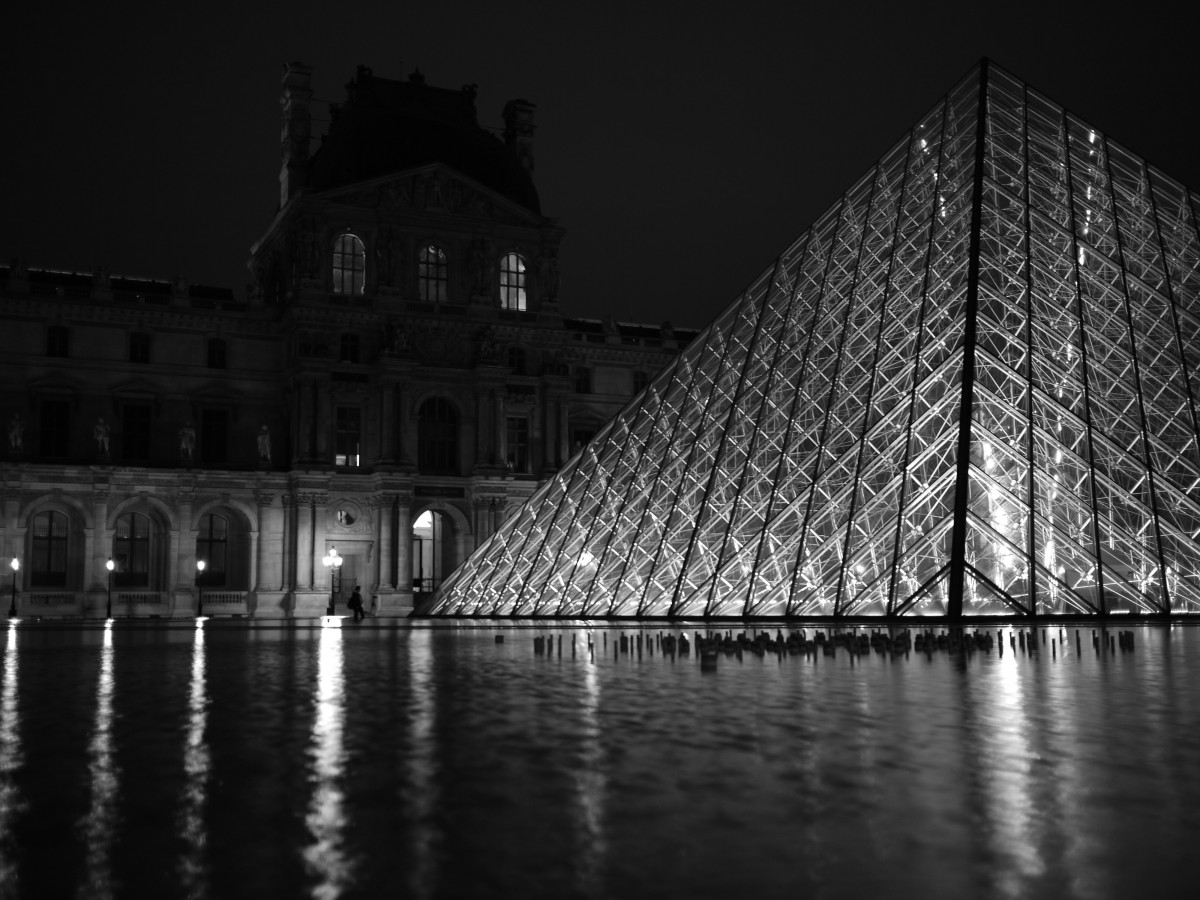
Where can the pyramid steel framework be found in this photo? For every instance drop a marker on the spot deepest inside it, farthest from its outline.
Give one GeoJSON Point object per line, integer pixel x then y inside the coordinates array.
{"type": "Point", "coordinates": [971, 387]}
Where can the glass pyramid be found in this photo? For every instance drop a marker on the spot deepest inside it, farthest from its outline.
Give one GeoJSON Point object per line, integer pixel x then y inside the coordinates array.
{"type": "Point", "coordinates": [971, 387]}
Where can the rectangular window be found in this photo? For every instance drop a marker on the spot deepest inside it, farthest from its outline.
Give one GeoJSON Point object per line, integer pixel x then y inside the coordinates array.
{"type": "Point", "coordinates": [135, 432]}
{"type": "Point", "coordinates": [583, 380]}
{"type": "Point", "coordinates": [348, 437]}
{"type": "Point", "coordinates": [139, 347]}
{"type": "Point", "coordinates": [517, 445]}
{"type": "Point", "coordinates": [58, 340]}
{"type": "Point", "coordinates": [214, 436]}
{"type": "Point", "coordinates": [640, 380]}
{"type": "Point", "coordinates": [55, 427]}
{"type": "Point", "coordinates": [216, 353]}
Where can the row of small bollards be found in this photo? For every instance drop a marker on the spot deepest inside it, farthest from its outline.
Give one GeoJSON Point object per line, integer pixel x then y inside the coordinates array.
{"type": "Point", "coordinates": [711, 644]}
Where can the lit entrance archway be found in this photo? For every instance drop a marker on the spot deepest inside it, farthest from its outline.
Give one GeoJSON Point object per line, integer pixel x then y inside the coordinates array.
{"type": "Point", "coordinates": [432, 553]}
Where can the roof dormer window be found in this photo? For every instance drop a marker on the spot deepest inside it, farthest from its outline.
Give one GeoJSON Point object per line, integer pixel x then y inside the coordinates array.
{"type": "Point", "coordinates": [432, 274]}
{"type": "Point", "coordinates": [349, 265]}
{"type": "Point", "coordinates": [512, 282]}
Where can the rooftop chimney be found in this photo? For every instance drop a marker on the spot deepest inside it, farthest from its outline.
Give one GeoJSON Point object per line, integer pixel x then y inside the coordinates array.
{"type": "Point", "coordinates": [297, 128]}
{"type": "Point", "coordinates": [518, 131]}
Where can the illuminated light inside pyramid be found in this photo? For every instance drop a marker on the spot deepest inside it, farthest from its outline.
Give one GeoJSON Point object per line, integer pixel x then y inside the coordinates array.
{"type": "Point", "coordinates": [970, 387]}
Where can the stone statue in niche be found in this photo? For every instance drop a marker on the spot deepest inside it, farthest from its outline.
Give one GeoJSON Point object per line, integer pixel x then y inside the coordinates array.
{"type": "Point", "coordinates": [477, 262]}
{"type": "Point", "coordinates": [388, 251]}
{"type": "Point", "coordinates": [16, 434]}
{"type": "Point", "coordinates": [487, 345]}
{"type": "Point", "coordinates": [187, 442]}
{"type": "Point", "coordinates": [101, 433]}
{"type": "Point", "coordinates": [308, 248]}
{"type": "Point", "coordinates": [264, 444]}
{"type": "Point", "coordinates": [397, 338]}
{"type": "Point", "coordinates": [548, 276]}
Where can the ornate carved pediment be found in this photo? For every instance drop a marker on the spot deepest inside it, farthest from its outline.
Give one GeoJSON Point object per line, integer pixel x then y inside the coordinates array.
{"type": "Point", "coordinates": [436, 188]}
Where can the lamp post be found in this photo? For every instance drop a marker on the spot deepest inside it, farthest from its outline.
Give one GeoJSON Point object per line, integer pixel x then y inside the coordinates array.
{"type": "Point", "coordinates": [199, 588]}
{"type": "Point", "coordinates": [12, 610]}
{"type": "Point", "coordinates": [333, 563]}
{"type": "Point", "coordinates": [110, 565]}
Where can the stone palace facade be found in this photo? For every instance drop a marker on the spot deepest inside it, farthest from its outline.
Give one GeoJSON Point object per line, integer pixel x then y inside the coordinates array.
{"type": "Point", "coordinates": [397, 379]}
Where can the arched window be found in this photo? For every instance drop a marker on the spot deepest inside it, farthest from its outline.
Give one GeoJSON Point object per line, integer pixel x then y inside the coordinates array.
{"type": "Point", "coordinates": [131, 551]}
{"type": "Point", "coordinates": [512, 281]}
{"type": "Point", "coordinates": [49, 550]}
{"type": "Point", "coordinates": [212, 544]}
{"type": "Point", "coordinates": [349, 265]}
{"type": "Point", "coordinates": [432, 274]}
{"type": "Point", "coordinates": [437, 437]}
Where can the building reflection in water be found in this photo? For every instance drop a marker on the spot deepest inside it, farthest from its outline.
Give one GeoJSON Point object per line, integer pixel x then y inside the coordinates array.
{"type": "Point", "coordinates": [99, 823]}
{"type": "Point", "coordinates": [196, 762]}
{"type": "Point", "coordinates": [326, 819]}
{"type": "Point", "coordinates": [591, 782]}
{"type": "Point", "coordinates": [422, 763]}
{"type": "Point", "coordinates": [1015, 828]}
{"type": "Point", "coordinates": [10, 757]}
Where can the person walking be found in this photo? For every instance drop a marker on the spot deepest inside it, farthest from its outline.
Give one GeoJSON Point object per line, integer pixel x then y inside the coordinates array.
{"type": "Point", "coordinates": [356, 604]}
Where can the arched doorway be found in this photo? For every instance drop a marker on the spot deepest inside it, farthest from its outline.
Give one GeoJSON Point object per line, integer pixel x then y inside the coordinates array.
{"type": "Point", "coordinates": [432, 551]}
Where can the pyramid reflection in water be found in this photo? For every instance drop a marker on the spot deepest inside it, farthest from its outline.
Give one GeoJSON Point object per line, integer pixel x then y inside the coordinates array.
{"type": "Point", "coordinates": [970, 388]}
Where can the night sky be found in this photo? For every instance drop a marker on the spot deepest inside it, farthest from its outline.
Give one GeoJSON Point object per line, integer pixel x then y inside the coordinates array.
{"type": "Point", "coordinates": [681, 145]}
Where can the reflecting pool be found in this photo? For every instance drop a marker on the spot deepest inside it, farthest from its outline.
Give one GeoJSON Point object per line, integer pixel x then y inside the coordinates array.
{"type": "Point", "coordinates": [433, 761]}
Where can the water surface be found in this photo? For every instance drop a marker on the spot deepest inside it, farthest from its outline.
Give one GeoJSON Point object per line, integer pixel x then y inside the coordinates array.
{"type": "Point", "coordinates": [433, 762]}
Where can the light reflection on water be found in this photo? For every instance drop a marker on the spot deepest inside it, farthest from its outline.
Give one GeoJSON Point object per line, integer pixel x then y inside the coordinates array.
{"type": "Point", "coordinates": [434, 762]}
{"type": "Point", "coordinates": [326, 855]}
{"type": "Point", "coordinates": [103, 776]}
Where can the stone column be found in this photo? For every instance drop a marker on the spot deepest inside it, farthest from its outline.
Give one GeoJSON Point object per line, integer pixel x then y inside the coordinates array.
{"type": "Point", "coordinates": [404, 543]}
{"type": "Point", "coordinates": [564, 441]}
{"type": "Point", "coordinates": [501, 431]}
{"type": "Point", "coordinates": [385, 530]}
{"type": "Point", "coordinates": [100, 542]}
{"type": "Point", "coordinates": [287, 552]}
{"type": "Point", "coordinates": [306, 544]}
{"type": "Point", "coordinates": [403, 444]}
{"type": "Point", "coordinates": [549, 431]}
{"type": "Point", "coordinates": [264, 575]}
{"type": "Point", "coordinates": [316, 535]}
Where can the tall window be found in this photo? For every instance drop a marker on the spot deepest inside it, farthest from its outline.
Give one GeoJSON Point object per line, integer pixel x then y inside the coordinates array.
{"type": "Point", "coordinates": [212, 546]}
{"type": "Point", "coordinates": [583, 380]}
{"type": "Point", "coordinates": [135, 431]}
{"type": "Point", "coordinates": [348, 437]}
{"type": "Point", "coordinates": [49, 567]}
{"type": "Point", "coordinates": [216, 353]}
{"type": "Point", "coordinates": [214, 436]}
{"type": "Point", "coordinates": [516, 446]}
{"type": "Point", "coordinates": [349, 265]}
{"type": "Point", "coordinates": [131, 551]}
{"type": "Point", "coordinates": [432, 274]}
{"type": "Point", "coordinates": [58, 340]}
{"type": "Point", "coordinates": [640, 380]}
{"type": "Point", "coordinates": [516, 360]}
{"type": "Point", "coordinates": [437, 437]}
{"type": "Point", "coordinates": [349, 348]}
{"type": "Point", "coordinates": [512, 282]}
{"type": "Point", "coordinates": [139, 347]}
{"type": "Point", "coordinates": [55, 427]}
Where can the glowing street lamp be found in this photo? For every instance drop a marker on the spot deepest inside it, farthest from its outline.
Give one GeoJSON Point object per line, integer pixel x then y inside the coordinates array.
{"type": "Point", "coordinates": [12, 610]}
{"type": "Point", "coordinates": [110, 565]}
{"type": "Point", "coordinates": [333, 563]}
{"type": "Point", "coordinates": [199, 588]}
